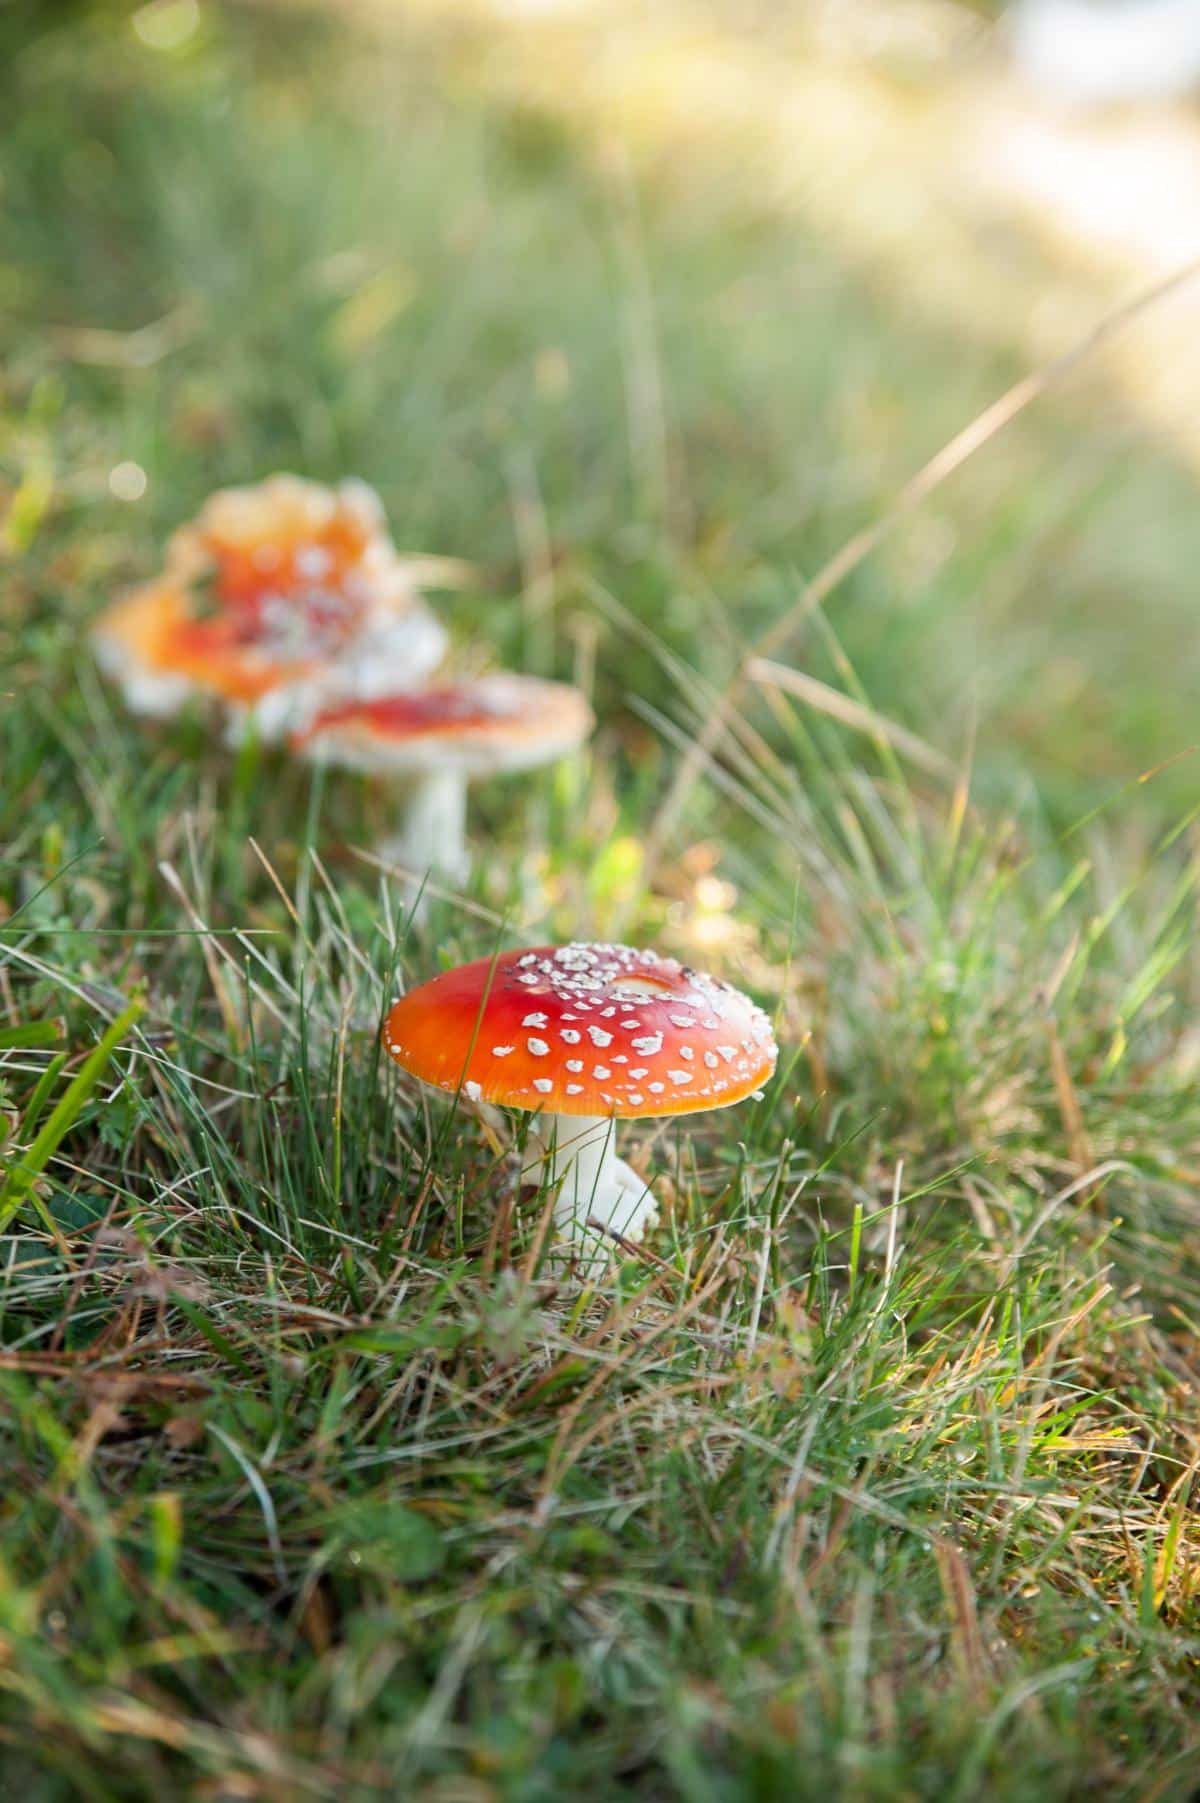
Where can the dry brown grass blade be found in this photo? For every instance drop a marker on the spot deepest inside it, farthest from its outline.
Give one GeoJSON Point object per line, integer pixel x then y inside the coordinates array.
{"type": "Point", "coordinates": [388, 867]}
{"type": "Point", "coordinates": [849, 712]}
{"type": "Point", "coordinates": [966, 1640]}
{"type": "Point", "coordinates": [945, 463]}
{"type": "Point", "coordinates": [208, 951]}
{"type": "Point", "coordinates": [1069, 1105]}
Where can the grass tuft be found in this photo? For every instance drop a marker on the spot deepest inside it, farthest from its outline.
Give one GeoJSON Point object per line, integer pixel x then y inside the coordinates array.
{"type": "Point", "coordinates": [875, 1472]}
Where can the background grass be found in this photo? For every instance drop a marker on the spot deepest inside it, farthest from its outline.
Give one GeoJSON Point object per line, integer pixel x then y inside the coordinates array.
{"type": "Point", "coordinates": [875, 1476]}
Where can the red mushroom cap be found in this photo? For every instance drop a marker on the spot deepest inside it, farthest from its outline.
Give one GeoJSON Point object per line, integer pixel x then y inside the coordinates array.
{"type": "Point", "coordinates": [478, 725]}
{"type": "Point", "coordinates": [584, 1029]}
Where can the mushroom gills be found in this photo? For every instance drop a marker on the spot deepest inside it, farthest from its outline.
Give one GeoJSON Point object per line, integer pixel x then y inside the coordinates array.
{"type": "Point", "coordinates": [598, 1194]}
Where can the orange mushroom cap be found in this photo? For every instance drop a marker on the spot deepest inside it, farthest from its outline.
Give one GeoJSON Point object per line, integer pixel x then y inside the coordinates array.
{"type": "Point", "coordinates": [276, 598]}
{"type": "Point", "coordinates": [584, 1029]}
{"type": "Point", "coordinates": [155, 629]}
{"type": "Point", "coordinates": [284, 536]}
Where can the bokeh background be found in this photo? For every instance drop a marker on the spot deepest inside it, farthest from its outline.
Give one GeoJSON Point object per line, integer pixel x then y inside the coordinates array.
{"type": "Point", "coordinates": [665, 303]}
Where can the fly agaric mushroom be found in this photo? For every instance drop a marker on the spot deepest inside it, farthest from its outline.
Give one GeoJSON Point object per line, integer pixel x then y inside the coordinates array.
{"type": "Point", "coordinates": [444, 737]}
{"type": "Point", "coordinates": [276, 600]}
{"type": "Point", "coordinates": [584, 1035]}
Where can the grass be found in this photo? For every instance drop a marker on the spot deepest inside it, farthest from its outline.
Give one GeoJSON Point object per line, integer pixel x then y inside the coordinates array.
{"type": "Point", "coordinates": [875, 1477]}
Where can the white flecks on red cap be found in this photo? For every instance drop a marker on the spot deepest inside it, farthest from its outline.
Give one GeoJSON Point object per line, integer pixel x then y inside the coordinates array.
{"type": "Point", "coordinates": [671, 1014]}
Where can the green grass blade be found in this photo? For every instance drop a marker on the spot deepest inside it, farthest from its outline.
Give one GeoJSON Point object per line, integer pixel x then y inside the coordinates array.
{"type": "Point", "coordinates": [23, 1175]}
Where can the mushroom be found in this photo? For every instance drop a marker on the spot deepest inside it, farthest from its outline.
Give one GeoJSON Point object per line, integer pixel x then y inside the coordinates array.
{"type": "Point", "coordinates": [276, 600]}
{"type": "Point", "coordinates": [584, 1035]}
{"type": "Point", "coordinates": [444, 737]}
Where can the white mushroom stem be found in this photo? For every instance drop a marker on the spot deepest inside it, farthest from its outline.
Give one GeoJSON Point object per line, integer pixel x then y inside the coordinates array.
{"type": "Point", "coordinates": [597, 1190]}
{"type": "Point", "coordinates": [434, 832]}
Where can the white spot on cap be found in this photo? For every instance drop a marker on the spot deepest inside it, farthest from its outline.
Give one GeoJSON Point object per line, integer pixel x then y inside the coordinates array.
{"type": "Point", "coordinates": [472, 1090]}
{"type": "Point", "coordinates": [312, 562]}
{"type": "Point", "coordinates": [685, 1051]}
{"type": "Point", "coordinates": [601, 1072]}
{"type": "Point", "coordinates": [656, 1089]}
{"type": "Point", "coordinates": [571, 1036]}
{"type": "Point", "coordinates": [636, 1098]}
{"type": "Point", "coordinates": [648, 1046]}
{"type": "Point", "coordinates": [681, 1076]}
{"type": "Point", "coordinates": [682, 1020]}
{"type": "Point", "coordinates": [543, 1084]}
{"type": "Point", "coordinates": [538, 1047]}
{"type": "Point", "coordinates": [599, 1037]}
{"type": "Point", "coordinates": [574, 1064]}
{"type": "Point", "coordinates": [534, 1020]}
{"type": "Point", "coordinates": [712, 1061]}
{"type": "Point", "coordinates": [728, 1052]}
{"type": "Point", "coordinates": [501, 1051]}
{"type": "Point", "coordinates": [641, 1071]}
{"type": "Point", "coordinates": [574, 1089]}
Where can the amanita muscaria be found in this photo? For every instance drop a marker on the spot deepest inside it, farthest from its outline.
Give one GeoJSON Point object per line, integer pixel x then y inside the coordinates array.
{"type": "Point", "coordinates": [443, 737]}
{"type": "Point", "coordinates": [584, 1036]}
{"type": "Point", "coordinates": [276, 599]}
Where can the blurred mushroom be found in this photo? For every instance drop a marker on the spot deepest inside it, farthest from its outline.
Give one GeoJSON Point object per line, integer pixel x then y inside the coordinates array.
{"type": "Point", "coordinates": [276, 600]}
{"type": "Point", "coordinates": [585, 1035]}
{"type": "Point", "coordinates": [444, 737]}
